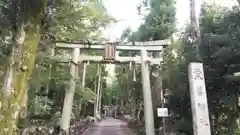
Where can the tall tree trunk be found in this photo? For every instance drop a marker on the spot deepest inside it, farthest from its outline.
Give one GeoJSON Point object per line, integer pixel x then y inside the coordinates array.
{"type": "Point", "coordinates": [195, 27]}
{"type": "Point", "coordinates": [22, 66]}
{"type": "Point", "coordinates": [22, 71]}
{"type": "Point", "coordinates": [156, 90]}
{"type": "Point", "coordinates": [19, 37]}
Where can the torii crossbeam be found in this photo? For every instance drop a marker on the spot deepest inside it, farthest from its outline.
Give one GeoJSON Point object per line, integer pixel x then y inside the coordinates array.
{"type": "Point", "coordinates": [152, 46]}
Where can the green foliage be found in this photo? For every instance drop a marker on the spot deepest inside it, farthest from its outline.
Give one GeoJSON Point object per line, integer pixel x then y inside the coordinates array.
{"type": "Point", "coordinates": [86, 94]}
{"type": "Point", "coordinates": [175, 78]}
{"type": "Point", "coordinates": [76, 21]}
{"type": "Point", "coordinates": [219, 50]}
{"type": "Point", "coordinates": [219, 47]}
{"type": "Point", "coordinates": [158, 24]}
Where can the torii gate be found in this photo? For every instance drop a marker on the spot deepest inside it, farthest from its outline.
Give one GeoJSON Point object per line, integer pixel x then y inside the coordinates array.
{"type": "Point", "coordinates": [110, 49]}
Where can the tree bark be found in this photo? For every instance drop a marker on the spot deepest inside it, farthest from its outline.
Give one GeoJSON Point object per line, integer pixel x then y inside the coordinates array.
{"type": "Point", "coordinates": [156, 90]}
{"type": "Point", "coordinates": [24, 60]}
{"type": "Point", "coordinates": [18, 40]}
{"type": "Point", "coordinates": [23, 113]}
{"type": "Point", "coordinates": [21, 66]}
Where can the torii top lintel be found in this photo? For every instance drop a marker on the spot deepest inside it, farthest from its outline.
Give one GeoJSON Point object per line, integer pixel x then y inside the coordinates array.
{"type": "Point", "coordinates": [156, 45]}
